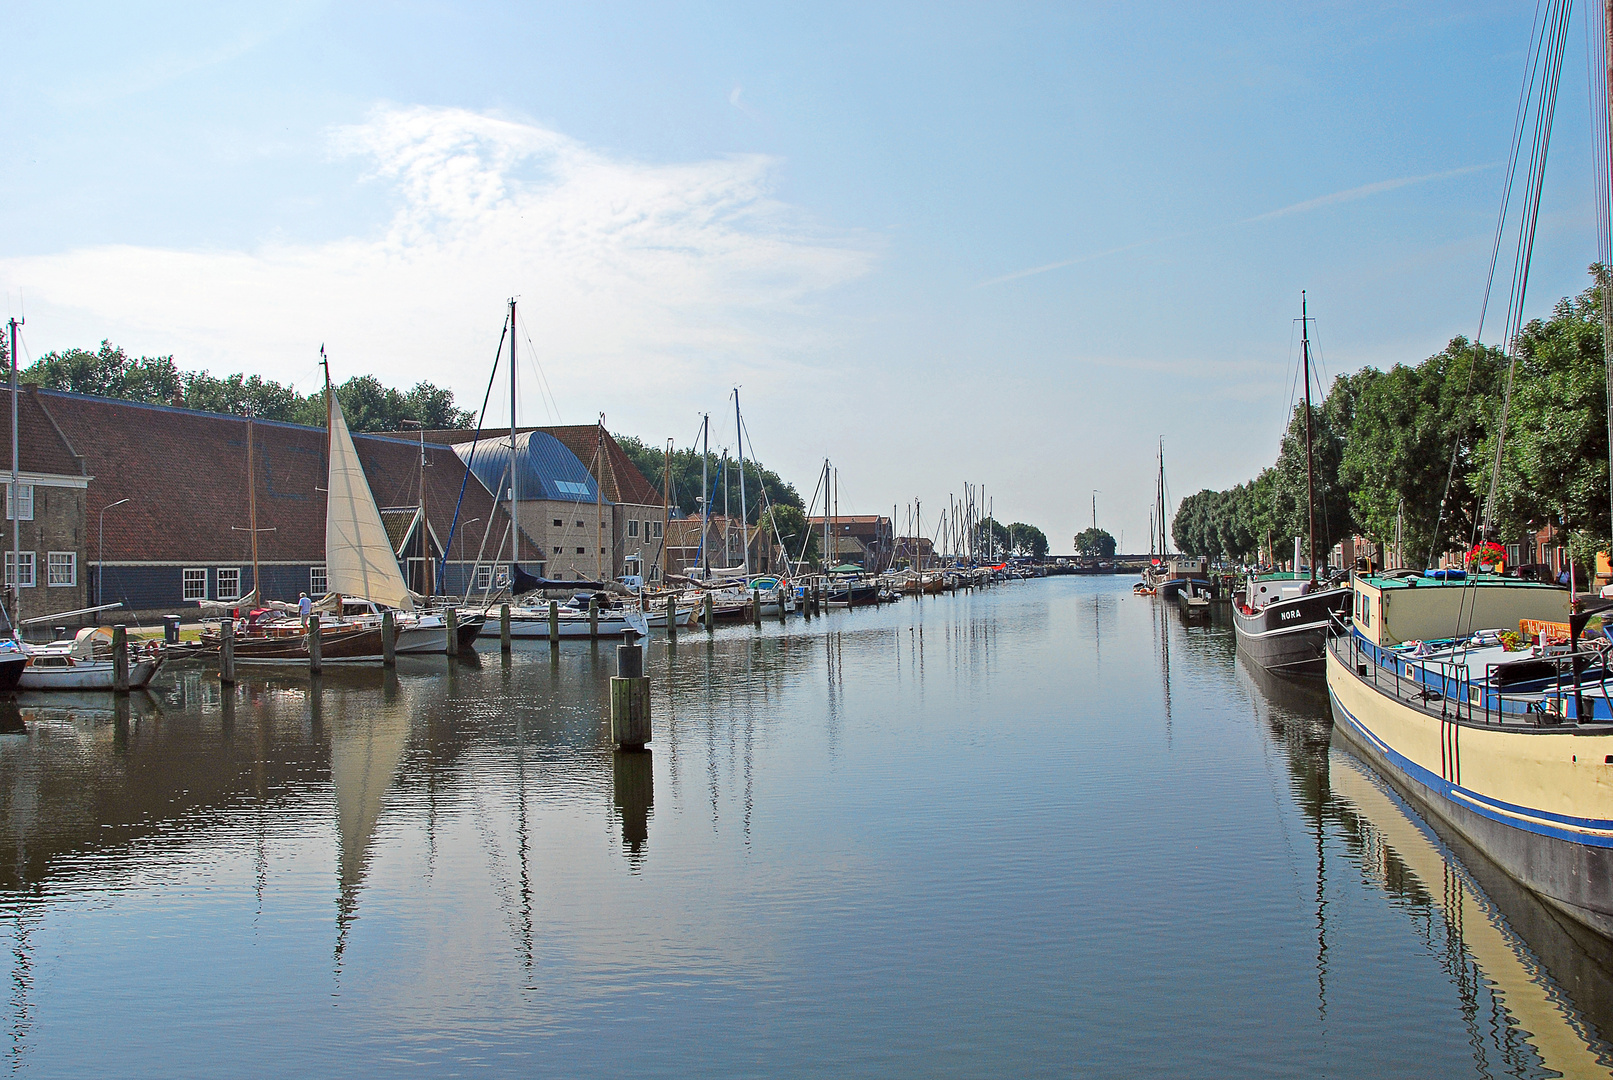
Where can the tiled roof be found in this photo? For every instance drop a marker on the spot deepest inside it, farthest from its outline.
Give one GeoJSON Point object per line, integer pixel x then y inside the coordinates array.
{"type": "Point", "coordinates": [620, 482]}
{"type": "Point", "coordinates": [184, 473]}
{"type": "Point", "coordinates": [41, 446]}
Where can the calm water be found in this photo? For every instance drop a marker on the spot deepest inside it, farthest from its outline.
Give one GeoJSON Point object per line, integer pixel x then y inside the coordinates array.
{"type": "Point", "coordinates": [1045, 830]}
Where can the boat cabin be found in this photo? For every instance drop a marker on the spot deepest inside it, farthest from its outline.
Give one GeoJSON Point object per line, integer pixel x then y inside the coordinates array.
{"type": "Point", "coordinates": [1390, 610]}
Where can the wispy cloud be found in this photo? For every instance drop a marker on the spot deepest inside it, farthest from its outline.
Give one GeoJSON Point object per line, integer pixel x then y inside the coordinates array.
{"type": "Point", "coordinates": [1365, 191]}
{"type": "Point", "coordinates": [647, 272]}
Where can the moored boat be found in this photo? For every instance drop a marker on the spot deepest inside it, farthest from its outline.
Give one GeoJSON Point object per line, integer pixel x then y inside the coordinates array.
{"type": "Point", "coordinates": [1282, 621]}
{"type": "Point", "coordinates": [1511, 747]}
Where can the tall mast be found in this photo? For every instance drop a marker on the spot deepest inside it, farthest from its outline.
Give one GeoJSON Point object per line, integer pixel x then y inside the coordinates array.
{"type": "Point", "coordinates": [727, 518]}
{"type": "Point", "coordinates": [252, 503]}
{"type": "Point", "coordinates": [1607, 271]}
{"type": "Point", "coordinates": [705, 494]}
{"type": "Point", "coordinates": [666, 506]}
{"type": "Point", "coordinates": [599, 507]}
{"type": "Point", "coordinates": [744, 527]}
{"type": "Point", "coordinates": [837, 512]}
{"type": "Point", "coordinates": [515, 473]}
{"type": "Point", "coordinates": [825, 557]}
{"type": "Point", "coordinates": [14, 492]}
{"type": "Point", "coordinates": [1310, 472]}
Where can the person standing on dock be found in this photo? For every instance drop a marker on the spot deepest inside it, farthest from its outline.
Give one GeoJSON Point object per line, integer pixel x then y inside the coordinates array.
{"type": "Point", "coordinates": [305, 608]}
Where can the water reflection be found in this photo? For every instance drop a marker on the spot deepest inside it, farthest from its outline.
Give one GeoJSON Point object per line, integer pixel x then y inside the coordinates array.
{"type": "Point", "coordinates": [1536, 992]}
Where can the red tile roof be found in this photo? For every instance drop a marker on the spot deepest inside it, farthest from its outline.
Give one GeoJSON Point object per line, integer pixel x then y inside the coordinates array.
{"type": "Point", "coordinates": [41, 446]}
{"type": "Point", "coordinates": [184, 473]}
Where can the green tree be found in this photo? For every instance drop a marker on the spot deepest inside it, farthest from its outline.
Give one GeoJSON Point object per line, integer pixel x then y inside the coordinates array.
{"type": "Point", "coordinates": [991, 537]}
{"type": "Point", "coordinates": [651, 461]}
{"type": "Point", "coordinates": [1407, 423]}
{"type": "Point", "coordinates": [793, 530]}
{"type": "Point", "coordinates": [1026, 539]}
{"type": "Point", "coordinates": [1555, 457]}
{"type": "Point", "coordinates": [1094, 543]}
{"type": "Point", "coordinates": [1333, 518]}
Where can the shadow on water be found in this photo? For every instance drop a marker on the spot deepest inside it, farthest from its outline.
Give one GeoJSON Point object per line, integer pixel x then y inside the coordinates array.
{"type": "Point", "coordinates": [1535, 991]}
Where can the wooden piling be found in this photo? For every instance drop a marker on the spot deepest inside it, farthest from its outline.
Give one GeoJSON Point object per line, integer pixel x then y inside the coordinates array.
{"type": "Point", "coordinates": [450, 620]}
{"type": "Point", "coordinates": [120, 658]}
{"type": "Point", "coordinates": [389, 639]}
{"type": "Point", "coordinates": [226, 653]}
{"type": "Point", "coordinates": [783, 594]}
{"type": "Point", "coordinates": [630, 699]}
{"type": "Point", "coordinates": [504, 628]}
{"type": "Point", "coordinates": [593, 618]}
{"type": "Point", "coordinates": [315, 661]}
{"type": "Point", "coordinates": [756, 607]}
{"type": "Point", "coordinates": [554, 622]}
{"type": "Point", "coordinates": [806, 603]}
{"type": "Point", "coordinates": [672, 616]}
{"type": "Point", "coordinates": [709, 615]}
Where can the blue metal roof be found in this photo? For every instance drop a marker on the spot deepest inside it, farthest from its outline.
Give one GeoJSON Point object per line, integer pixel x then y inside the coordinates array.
{"type": "Point", "coordinates": [545, 468]}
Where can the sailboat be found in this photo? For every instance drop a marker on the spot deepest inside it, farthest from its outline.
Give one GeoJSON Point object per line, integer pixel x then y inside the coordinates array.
{"type": "Point", "coordinates": [361, 571]}
{"type": "Point", "coordinates": [1282, 620]}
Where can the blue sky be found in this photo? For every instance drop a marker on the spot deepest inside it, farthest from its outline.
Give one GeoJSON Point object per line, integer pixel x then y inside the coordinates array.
{"type": "Point", "coordinates": [1014, 245]}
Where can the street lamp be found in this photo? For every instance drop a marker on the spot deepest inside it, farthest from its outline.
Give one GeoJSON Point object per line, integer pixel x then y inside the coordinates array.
{"type": "Point", "coordinates": [100, 549]}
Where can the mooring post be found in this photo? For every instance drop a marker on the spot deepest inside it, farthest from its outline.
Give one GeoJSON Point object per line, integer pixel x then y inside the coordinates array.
{"type": "Point", "coordinates": [504, 628]}
{"type": "Point", "coordinates": [451, 621]}
{"type": "Point", "coordinates": [672, 615]}
{"type": "Point", "coordinates": [783, 594]}
{"type": "Point", "coordinates": [756, 607]}
{"type": "Point", "coordinates": [315, 661]}
{"type": "Point", "coordinates": [120, 658]}
{"type": "Point", "coordinates": [389, 639]}
{"type": "Point", "coordinates": [806, 603]}
{"type": "Point", "coordinates": [226, 652]}
{"type": "Point", "coordinates": [710, 616]}
{"type": "Point", "coordinates": [630, 699]}
{"type": "Point", "coordinates": [593, 618]}
{"type": "Point", "coordinates": [554, 622]}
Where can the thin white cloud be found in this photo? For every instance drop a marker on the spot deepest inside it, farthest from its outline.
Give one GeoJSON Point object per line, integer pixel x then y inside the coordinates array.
{"type": "Point", "coordinates": [643, 274]}
{"type": "Point", "coordinates": [1321, 201]}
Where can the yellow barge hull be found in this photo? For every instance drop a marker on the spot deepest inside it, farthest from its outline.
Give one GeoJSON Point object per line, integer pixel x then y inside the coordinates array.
{"type": "Point", "coordinates": [1536, 801]}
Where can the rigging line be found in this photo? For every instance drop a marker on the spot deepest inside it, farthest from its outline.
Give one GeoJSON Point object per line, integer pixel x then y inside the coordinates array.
{"type": "Point", "coordinates": [481, 418]}
{"type": "Point", "coordinates": [1528, 220]}
{"type": "Point", "coordinates": [1525, 95]}
{"type": "Point", "coordinates": [543, 379]}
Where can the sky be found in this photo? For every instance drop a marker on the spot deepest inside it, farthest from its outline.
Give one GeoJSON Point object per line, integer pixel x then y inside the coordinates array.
{"type": "Point", "coordinates": [1009, 245]}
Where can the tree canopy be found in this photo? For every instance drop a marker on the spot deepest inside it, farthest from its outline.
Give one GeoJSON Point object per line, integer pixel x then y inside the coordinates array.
{"type": "Point", "coordinates": [368, 404]}
{"type": "Point", "coordinates": [1094, 543]}
{"type": "Point", "coordinates": [651, 461]}
{"type": "Point", "coordinates": [1027, 540]}
{"type": "Point", "coordinates": [1413, 448]}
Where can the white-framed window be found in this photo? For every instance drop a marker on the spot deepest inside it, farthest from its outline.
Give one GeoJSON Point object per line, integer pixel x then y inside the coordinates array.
{"type": "Point", "coordinates": [25, 560]}
{"type": "Point", "coordinates": [229, 583]}
{"type": "Point", "coordinates": [1512, 554]}
{"type": "Point", "coordinates": [62, 568]}
{"type": "Point", "coordinates": [194, 584]}
{"type": "Point", "coordinates": [24, 502]}
{"type": "Point", "coordinates": [632, 527]}
{"type": "Point", "coordinates": [484, 578]}
{"type": "Point", "coordinates": [316, 581]}
{"type": "Point", "coordinates": [657, 530]}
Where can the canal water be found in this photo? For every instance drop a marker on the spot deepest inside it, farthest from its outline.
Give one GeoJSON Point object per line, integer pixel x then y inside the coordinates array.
{"type": "Point", "coordinates": [1041, 830]}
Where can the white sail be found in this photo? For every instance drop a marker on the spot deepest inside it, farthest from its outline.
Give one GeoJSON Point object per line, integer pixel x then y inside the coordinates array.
{"type": "Point", "coordinates": [359, 560]}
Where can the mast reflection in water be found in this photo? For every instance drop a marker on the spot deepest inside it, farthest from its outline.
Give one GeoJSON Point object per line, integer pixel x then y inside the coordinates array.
{"type": "Point", "coordinates": [1042, 828]}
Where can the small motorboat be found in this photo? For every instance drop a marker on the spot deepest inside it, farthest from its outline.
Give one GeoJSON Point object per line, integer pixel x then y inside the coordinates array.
{"type": "Point", "coordinates": [85, 663]}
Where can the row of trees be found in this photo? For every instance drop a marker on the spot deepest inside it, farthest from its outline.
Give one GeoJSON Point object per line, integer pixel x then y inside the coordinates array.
{"type": "Point", "coordinates": [1415, 446]}
{"type": "Point", "coordinates": [366, 402]}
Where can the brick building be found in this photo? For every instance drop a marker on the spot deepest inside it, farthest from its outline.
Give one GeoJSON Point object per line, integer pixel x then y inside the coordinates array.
{"type": "Point", "coordinates": [46, 518]}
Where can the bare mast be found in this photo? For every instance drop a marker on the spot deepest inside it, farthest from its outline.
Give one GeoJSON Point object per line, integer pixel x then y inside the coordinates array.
{"type": "Point", "coordinates": [744, 526]}
{"type": "Point", "coordinates": [515, 533]}
{"type": "Point", "coordinates": [1310, 472]}
{"type": "Point", "coordinates": [705, 495]}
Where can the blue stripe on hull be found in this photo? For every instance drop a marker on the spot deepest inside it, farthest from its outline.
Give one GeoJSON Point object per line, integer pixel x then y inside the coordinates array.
{"type": "Point", "coordinates": [1495, 809]}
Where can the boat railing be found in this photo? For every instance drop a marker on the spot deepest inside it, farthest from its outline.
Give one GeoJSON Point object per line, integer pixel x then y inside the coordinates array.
{"type": "Point", "coordinates": [1461, 697]}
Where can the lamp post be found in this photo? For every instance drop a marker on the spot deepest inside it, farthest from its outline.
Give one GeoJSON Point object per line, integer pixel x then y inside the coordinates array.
{"type": "Point", "coordinates": [100, 550]}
